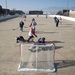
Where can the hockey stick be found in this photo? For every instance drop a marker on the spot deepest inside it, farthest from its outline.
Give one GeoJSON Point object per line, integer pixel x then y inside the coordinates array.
{"type": "Point", "coordinates": [25, 27]}
{"type": "Point", "coordinates": [16, 28]}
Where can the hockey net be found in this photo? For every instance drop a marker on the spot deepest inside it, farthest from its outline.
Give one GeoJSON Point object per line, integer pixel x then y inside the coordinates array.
{"type": "Point", "coordinates": [37, 57]}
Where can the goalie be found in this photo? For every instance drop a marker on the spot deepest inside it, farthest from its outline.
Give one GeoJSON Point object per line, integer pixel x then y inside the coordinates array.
{"type": "Point", "coordinates": [41, 41]}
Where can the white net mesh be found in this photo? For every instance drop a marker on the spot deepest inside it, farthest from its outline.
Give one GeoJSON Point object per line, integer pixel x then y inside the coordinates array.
{"type": "Point", "coordinates": [35, 57]}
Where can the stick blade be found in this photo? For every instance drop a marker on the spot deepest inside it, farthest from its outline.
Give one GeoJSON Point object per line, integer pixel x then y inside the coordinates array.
{"type": "Point", "coordinates": [13, 29]}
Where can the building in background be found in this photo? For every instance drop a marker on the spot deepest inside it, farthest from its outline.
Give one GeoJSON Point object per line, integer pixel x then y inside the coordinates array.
{"type": "Point", "coordinates": [72, 13]}
{"type": "Point", "coordinates": [36, 12]}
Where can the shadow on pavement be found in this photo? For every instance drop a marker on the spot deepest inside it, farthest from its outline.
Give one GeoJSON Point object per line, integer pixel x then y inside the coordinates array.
{"type": "Point", "coordinates": [64, 63]}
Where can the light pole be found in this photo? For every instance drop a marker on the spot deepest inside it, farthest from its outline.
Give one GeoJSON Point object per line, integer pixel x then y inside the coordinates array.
{"type": "Point", "coordinates": [68, 7]}
{"type": "Point", "coordinates": [6, 6]}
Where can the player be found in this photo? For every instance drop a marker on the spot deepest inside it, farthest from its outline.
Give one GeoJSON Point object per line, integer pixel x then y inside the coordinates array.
{"type": "Point", "coordinates": [21, 24]}
{"type": "Point", "coordinates": [33, 24]}
{"type": "Point", "coordinates": [31, 34]}
{"type": "Point", "coordinates": [60, 20]}
{"type": "Point", "coordinates": [24, 18]}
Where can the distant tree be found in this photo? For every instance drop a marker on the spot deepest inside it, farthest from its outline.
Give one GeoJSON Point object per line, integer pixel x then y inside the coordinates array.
{"type": "Point", "coordinates": [60, 12]}
{"type": "Point", "coordinates": [0, 9]}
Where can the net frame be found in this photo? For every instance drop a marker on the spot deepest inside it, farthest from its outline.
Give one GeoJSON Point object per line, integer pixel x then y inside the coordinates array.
{"type": "Point", "coordinates": [37, 48]}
